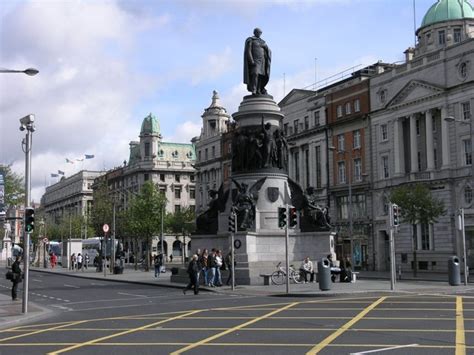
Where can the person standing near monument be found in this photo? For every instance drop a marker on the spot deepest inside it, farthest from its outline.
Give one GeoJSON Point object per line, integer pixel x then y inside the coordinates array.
{"type": "Point", "coordinates": [257, 61]}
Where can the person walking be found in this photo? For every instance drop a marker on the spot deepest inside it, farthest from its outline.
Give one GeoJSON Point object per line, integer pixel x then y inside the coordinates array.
{"type": "Point", "coordinates": [203, 260]}
{"type": "Point", "coordinates": [230, 266]}
{"type": "Point", "coordinates": [86, 261]}
{"type": "Point", "coordinates": [193, 272]}
{"type": "Point", "coordinates": [211, 262]}
{"type": "Point", "coordinates": [53, 260]}
{"type": "Point", "coordinates": [219, 264]}
{"type": "Point", "coordinates": [16, 278]}
{"type": "Point", "coordinates": [79, 262]}
{"type": "Point", "coordinates": [158, 264]}
{"type": "Point", "coordinates": [306, 269]}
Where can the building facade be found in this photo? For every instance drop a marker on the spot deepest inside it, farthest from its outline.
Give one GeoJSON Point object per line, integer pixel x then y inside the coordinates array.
{"type": "Point", "coordinates": [421, 132]}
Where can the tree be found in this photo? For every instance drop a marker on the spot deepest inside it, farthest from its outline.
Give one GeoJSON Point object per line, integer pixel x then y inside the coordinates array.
{"type": "Point", "coordinates": [102, 209]}
{"type": "Point", "coordinates": [14, 187]}
{"type": "Point", "coordinates": [417, 206]}
{"type": "Point", "coordinates": [144, 215]}
{"type": "Point", "coordinates": [182, 221]}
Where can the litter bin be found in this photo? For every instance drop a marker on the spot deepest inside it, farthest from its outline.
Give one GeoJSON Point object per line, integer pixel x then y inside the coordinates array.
{"type": "Point", "coordinates": [118, 270]}
{"type": "Point", "coordinates": [324, 275]}
{"type": "Point", "coordinates": [454, 271]}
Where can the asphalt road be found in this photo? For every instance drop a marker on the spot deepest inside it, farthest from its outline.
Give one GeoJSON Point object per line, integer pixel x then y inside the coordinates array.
{"type": "Point", "coordinates": [93, 317]}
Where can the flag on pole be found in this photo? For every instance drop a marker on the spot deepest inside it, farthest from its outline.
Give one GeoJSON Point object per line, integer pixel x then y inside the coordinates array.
{"type": "Point", "coordinates": [54, 175]}
{"type": "Point", "coordinates": [60, 172]}
{"type": "Point", "coordinates": [80, 159]}
{"type": "Point", "coordinates": [89, 156]}
{"type": "Point", "coordinates": [69, 161]}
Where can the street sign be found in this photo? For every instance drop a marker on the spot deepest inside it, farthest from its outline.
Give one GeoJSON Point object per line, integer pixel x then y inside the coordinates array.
{"type": "Point", "coordinates": [45, 240]}
{"type": "Point", "coordinates": [105, 228]}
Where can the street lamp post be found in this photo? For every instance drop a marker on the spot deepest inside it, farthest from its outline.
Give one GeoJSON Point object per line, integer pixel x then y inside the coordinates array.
{"type": "Point", "coordinates": [29, 71]}
{"type": "Point", "coordinates": [469, 122]}
{"type": "Point", "coordinates": [27, 123]}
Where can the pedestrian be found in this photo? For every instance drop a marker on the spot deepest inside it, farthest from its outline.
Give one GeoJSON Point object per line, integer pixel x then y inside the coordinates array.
{"type": "Point", "coordinates": [86, 261]}
{"type": "Point", "coordinates": [158, 264]}
{"type": "Point", "coordinates": [203, 260]}
{"type": "Point", "coordinates": [230, 266]}
{"type": "Point", "coordinates": [171, 258]}
{"type": "Point", "coordinates": [193, 272]}
{"type": "Point", "coordinates": [334, 269]}
{"type": "Point", "coordinates": [73, 261]}
{"type": "Point", "coordinates": [306, 269]}
{"type": "Point", "coordinates": [79, 262]}
{"type": "Point", "coordinates": [16, 278]}
{"type": "Point", "coordinates": [211, 262]}
{"type": "Point", "coordinates": [53, 260]}
{"type": "Point", "coordinates": [219, 265]}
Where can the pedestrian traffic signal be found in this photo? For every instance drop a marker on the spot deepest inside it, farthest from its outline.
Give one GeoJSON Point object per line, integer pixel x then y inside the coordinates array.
{"type": "Point", "coordinates": [395, 215]}
{"type": "Point", "coordinates": [29, 219]}
{"type": "Point", "coordinates": [232, 218]}
{"type": "Point", "coordinates": [282, 217]}
{"type": "Point", "coordinates": [293, 217]}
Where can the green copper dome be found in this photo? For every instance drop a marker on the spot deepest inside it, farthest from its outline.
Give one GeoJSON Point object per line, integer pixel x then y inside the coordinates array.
{"type": "Point", "coordinates": [446, 10]}
{"type": "Point", "coordinates": [150, 125]}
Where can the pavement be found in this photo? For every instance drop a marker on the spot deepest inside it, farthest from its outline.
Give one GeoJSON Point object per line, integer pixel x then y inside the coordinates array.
{"type": "Point", "coordinates": [368, 282]}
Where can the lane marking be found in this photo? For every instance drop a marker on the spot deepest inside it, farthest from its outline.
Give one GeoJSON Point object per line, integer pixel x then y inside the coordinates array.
{"type": "Point", "coordinates": [94, 341]}
{"type": "Point", "coordinates": [228, 331]}
{"type": "Point", "coordinates": [316, 349]}
{"type": "Point", "coordinates": [385, 349]}
{"type": "Point", "coordinates": [72, 286]}
{"type": "Point", "coordinates": [42, 330]}
{"type": "Point", "coordinates": [36, 280]}
{"type": "Point", "coordinates": [460, 336]}
{"type": "Point", "coordinates": [131, 294]}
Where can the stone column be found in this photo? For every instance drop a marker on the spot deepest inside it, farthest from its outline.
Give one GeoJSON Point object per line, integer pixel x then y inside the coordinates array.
{"type": "Point", "coordinates": [396, 148]}
{"type": "Point", "coordinates": [430, 164]}
{"type": "Point", "coordinates": [413, 146]}
{"type": "Point", "coordinates": [312, 165]}
{"type": "Point", "coordinates": [444, 137]}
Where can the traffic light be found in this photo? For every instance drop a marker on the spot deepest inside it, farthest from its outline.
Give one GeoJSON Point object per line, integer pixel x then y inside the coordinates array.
{"type": "Point", "coordinates": [232, 218]}
{"type": "Point", "coordinates": [396, 215]}
{"type": "Point", "coordinates": [282, 217]}
{"type": "Point", "coordinates": [29, 219]}
{"type": "Point", "coordinates": [293, 217]}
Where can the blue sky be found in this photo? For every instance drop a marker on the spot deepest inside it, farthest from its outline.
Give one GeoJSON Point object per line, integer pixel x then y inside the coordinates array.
{"type": "Point", "coordinates": [104, 65]}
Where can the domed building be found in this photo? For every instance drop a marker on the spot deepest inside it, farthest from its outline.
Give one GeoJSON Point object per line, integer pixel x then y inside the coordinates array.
{"type": "Point", "coordinates": [421, 124]}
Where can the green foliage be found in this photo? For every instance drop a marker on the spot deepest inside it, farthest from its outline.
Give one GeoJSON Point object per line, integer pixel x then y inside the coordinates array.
{"type": "Point", "coordinates": [180, 222]}
{"type": "Point", "coordinates": [14, 187]}
{"type": "Point", "coordinates": [416, 203]}
{"type": "Point", "coordinates": [102, 209]}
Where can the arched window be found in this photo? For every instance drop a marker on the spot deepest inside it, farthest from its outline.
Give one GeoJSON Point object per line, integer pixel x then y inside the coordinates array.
{"type": "Point", "coordinates": [468, 195]}
{"type": "Point", "coordinates": [177, 251]}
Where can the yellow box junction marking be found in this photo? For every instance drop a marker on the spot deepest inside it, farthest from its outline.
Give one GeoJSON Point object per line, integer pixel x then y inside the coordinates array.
{"type": "Point", "coordinates": [42, 331]}
{"type": "Point", "coordinates": [325, 342]}
{"type": "Point", "coordinates": [94, 341]}
{"type": "Point", "coordinates": [460, 335]}
{"type": "Point", "coordinates": [228, 331]}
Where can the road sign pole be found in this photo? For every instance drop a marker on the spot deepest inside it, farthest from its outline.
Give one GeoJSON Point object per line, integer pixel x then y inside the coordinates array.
{"type": "Point", "coordinates": [392, 249]}
{"type": "Point", "coordinates": [232, 240]}
{"type": "Point", "coordinates": [26, 240]}
{"type": "Point", "coordinates": [464, 247]}
{"type": "Point", "coordinates": [287, 257]}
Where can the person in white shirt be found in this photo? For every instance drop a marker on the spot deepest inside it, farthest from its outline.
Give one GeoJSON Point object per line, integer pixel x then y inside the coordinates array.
{"type": "Point", "coordinates": [306, 269]}
{"type": "Point", "coordinates": [79, 262]}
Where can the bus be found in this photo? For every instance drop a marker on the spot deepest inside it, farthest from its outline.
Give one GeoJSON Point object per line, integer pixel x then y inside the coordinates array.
{"type": "Point", "coordinates": [93, 246]}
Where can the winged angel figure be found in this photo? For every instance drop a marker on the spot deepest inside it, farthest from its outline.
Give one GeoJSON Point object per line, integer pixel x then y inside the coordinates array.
{"type": "Point", "coordinates": [207, 222]}
{"type": "Point", "coordinates": [245, 200]}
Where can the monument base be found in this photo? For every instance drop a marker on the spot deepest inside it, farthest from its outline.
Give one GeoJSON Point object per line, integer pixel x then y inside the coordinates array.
{"type": "Point", "coordinates": [259, 254]}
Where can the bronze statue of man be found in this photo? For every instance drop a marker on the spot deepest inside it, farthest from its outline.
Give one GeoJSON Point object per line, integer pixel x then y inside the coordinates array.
{"type": "Point", "coordinates": [257, 60]}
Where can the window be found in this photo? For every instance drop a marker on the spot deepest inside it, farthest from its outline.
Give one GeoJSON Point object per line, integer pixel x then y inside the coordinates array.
{"type": "Point", "coordinates": [424, 236]}
{"type": "Point", "coordinates": [213, 151]}
{"type": "Point", "coordinates": [385, 171]}
{"type": "Point", "coordinates": [340, 142]}
{"type": "Point", "coordinates": [433, 123]}
{"type": "Point", "coordinates": [386, 205]}
{"type": "Point", "coordinates": [146, 177]}
{"type": "Point", "coordinates": [147, 150]}
{"type": "Point", "coordinates": [206, 154]}
{"type": "Point", "coordinates": [306, 162]}
{"type": "Point", "coordinates": [435, 157]}
{"type": "Point", "coordinates": [192, 194]}
{"type": "Point", "coordinates": [419, 161]}
{"type": "Point", "coordinates": [163, 190]}
{"type": "Point", "coordinates": [358, 169]}
{"type": "Point", "coordinates": [285, 129]}
{"type": "Point", "coordinates": [306, 122]}
{"type": "Point", "coordinates": [356, 139]}
{"type": "Point", "coordinates": [162, 177]}
{"type": "Point", "coordinates": [467, 152]}
{"type": "Point", "coordinates": [177, 193]}
{"type": "Point", "coordinates": [457, 35]}
{"type": "Point", "coordinates": [356, 105]}
{"type": "Point", "coordinates": [466, 110]}
{"type": "Point", "coordinates": [339, 111]}
{"type": "Point", "coordinates": [192, 177]}
{"type": "Point", "coordinates": [199, 155]}
{"type": "Point", "coordinates": [348, 108]}
{"type": "Point", "coordinates": [417, 125]}
{"type": "Point", "coordinates": [341, 167]}
{"type": "Point", "coordinates": [468, 194]}
{"type": "Point", "coordinates": [317, 118]}
{"type": "Point", "coordinates": [296, 125]}
{"type": "Point", "coordinates": [384, 132]}
{"type": "Point", "coordinates": [383, 96]}
{"type": "Point", "coordinates": [463, 70]}
{"type": "Point", "coordinates": [296, 158]}
{"type": "Point", "coordinates": [441, 38]}
{"type": "Point", "coordinates": [318, 166]}
{"type": "Point", "coordinates": [177, 208]}
{"type": "Point", "coordinates": [177, 178]}
{"type": "Point", "coordinates": [343, 207]}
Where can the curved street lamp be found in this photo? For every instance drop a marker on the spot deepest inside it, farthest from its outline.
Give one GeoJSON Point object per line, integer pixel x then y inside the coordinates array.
{"type": "Point", "coordinates": [29, 71]}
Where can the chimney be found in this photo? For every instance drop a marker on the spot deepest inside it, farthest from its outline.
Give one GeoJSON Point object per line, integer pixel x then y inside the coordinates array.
{"type": "Point", "coordinates": [409, 53]}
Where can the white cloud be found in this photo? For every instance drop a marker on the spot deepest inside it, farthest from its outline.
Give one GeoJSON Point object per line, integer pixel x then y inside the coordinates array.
{"type": "Point", "coordinates": [185, 132]}
{"type": "Point", "coordinates": [213, 67]}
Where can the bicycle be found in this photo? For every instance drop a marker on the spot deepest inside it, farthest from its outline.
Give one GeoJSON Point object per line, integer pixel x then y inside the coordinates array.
{"type": "Point", "coordinates": [279, 276]}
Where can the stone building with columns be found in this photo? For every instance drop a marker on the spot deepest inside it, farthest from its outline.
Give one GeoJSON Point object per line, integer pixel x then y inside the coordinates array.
{"type": "Point", "coordinates": [413, 140]}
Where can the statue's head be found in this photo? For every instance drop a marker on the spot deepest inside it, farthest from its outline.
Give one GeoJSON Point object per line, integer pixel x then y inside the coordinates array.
{"type": "Point", "coordinates": [257, 32]}
{"type": "Point", "coordinates": [310, 190]}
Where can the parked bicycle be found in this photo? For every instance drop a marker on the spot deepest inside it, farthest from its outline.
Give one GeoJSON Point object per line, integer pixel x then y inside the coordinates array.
{"type": "Point", "coordinates": [279, 276]}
